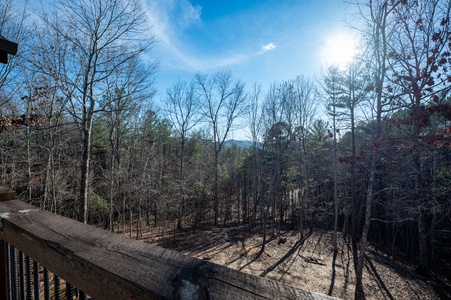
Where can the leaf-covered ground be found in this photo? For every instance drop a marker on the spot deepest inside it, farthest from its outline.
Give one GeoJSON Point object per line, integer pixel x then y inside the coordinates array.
{"type": "Point", "coordinates": [305, 262]}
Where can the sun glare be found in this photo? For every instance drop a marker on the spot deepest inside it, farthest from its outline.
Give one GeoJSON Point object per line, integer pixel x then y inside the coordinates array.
{"type": "Point", "coordinates": [340, 50]}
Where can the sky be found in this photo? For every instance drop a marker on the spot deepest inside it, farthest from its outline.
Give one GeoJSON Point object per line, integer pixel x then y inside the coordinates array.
{"type": "Point", "coordinates": [259, 41]}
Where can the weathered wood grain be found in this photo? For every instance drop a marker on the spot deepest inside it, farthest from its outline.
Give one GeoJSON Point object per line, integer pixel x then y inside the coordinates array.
{"type": "Point", "coordinates": [108, 266]}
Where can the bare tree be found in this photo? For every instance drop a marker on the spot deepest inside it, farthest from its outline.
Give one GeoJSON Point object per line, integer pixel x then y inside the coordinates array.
{"type": "Point", "coordinates": [13, 26]}
{"type": "Point", "coordinates": [279, 121]}
{"type": "Point", "coordinates": [129, 87]}
{"type": "Point", "coordinates": [420, 55]}
{"type": "Point", "coordinates": [332, 90]}
{"type": "Point", "coordinates": [223, 102]}
{"type": "Point", "coordinates": [354, 83]}
{"type": "Point", "coordinates": [183, 109]}
{"type": "Point", "coordinates": [377, 62]}
{"type": "Point", "coordinates": [255, 127]}
{"type": "Point", "coordinates": [100, 36]}
{"type": "Point", "coordinates": [305, 106]}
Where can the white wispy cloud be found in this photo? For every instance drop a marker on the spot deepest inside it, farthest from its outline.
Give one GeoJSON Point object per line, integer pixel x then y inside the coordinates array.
{"type": "Point", "coordinates": [189, 13]}
{"type": "Point", "coordinates": [169, 19]}
{"type": "Point", "coordinates": [268, 47]}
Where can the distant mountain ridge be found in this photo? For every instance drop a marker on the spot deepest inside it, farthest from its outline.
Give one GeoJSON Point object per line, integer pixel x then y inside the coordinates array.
{"type": "Point", "coordinates": [240, 144]}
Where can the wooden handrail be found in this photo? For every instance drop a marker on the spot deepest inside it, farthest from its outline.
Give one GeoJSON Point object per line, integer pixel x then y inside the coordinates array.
{"type": "Point", "coordinates": [108, 266]}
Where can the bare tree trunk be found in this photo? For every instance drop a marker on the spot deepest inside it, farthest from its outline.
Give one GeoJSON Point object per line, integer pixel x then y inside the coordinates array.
{"type": "Point", "coordinates": [255, 185]}
{"type": "Point", "coordinates": [30, 175]}
{"type": "Point", "coordinates": [224, 102]}
{"type": "Point", "coordinates": [363, 243]}
{"type": "Point", "coordinates": [123, 215]}
{"type": "Point", "coordinates": [216, 192]}
{"type": "Point", "coordinates": [138, 223]}
{"type": "Point", "coordinates": [379, 14]}
{"type": "Point", "coordinates": [335, 163]}
{"type": "Point", "coordinates": [238, 207]}
{"type": "Point", "coordinates": [131, 223]}
{"type": "Point", "coordinates": [110, 215]}
{"type": "Point", "coordinates": [84, 185]}
{"type": "Point", "coordinates": [353, 190]}
{"type": "Point", "coordinates": [264, 217]}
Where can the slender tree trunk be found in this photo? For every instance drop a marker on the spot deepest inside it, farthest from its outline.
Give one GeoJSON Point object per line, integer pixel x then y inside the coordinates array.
{"type": "Point", "coordinates": [29, 162]}
{"type": "Point", "coordinates": [53, 180]}
{"type": "Point", "coordinates": [138, 223]}
{"type": "Point", "coordinates": [434, 209]}
{"type": "Point", "coordinates": [245, 201]}
{"type": "Point", "coordinates": [156, 214]}
{"type": "Point", "coordinates": [84, 184]}
{"type": "Point", "coordinates": [254, 185]}
{"type": "Point", "coordinates": [379, 38]}
{"type": "Point", "coordinates": [273, 219]}
{"type": "Point", "coordinates": [353, 183]}
{"type": "Point", "coordinates": [363, 243]}
{"type": "Point", "coordinates": [238, 207]}
{"type": "Point", "coordinates": [216, 196]}
{"type": "Point", "coordinates": [123, 215]}
{"type": "Point", "coordinates": [47, 180]}
{"type": "Point", "coordinates": [335, 245]}
{"type": "Point", "coordinates": [110, 217]}
{"type": "Point", "coordinates": [423, 266]}
{"type": "Point", "coordinates": [264, 216]}
{"type": "Point", "coordinates": [333, 92]}
{"type": "Point", "coordinates": [131, 223]}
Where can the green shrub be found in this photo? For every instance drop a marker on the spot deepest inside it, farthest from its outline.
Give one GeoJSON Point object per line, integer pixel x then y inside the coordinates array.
{"type": "Point", "coordinates": [98, 207]}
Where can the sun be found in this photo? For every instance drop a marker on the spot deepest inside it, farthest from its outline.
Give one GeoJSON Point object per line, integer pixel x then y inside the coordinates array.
{"type": "Point", "coordinates": [340, 49]}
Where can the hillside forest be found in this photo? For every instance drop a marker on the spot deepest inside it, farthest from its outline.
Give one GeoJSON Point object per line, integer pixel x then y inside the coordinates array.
{"type": "Point", "coordinates": [362, 151]}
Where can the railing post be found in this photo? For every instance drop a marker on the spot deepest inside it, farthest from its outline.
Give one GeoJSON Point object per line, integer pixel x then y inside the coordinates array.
{"type": "Point", "coordinates": [6, 194]}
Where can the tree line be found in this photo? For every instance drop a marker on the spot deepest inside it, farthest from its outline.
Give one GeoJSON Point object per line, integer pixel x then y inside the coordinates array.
{"type": "Point", "coordinates": [362, 150]}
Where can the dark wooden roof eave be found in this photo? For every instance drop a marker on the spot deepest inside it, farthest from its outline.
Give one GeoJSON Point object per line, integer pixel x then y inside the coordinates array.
{"type": "Point", "coordinates": [6, 47]}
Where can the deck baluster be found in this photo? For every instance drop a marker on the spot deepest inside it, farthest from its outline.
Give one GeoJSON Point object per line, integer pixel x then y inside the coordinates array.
{"type": "Point", "coordinates": [82, 296]}
{"type": "Point", "coordinates": [46, 284]}
{"type": "Point", "coordinates": [14, 277]}
{"type": "Point", "coordinates": [56, 287]}
{"type": "Point", "coordinates": [69, 291]}
{"type": "Point", "coordinates": [7, 261]}
{"type": "Point", "coordinates": [28, 274]}
{"type": "Point", "coordinates": [36, 280]}
{"type": "Point", "coordinates": [21, 277]}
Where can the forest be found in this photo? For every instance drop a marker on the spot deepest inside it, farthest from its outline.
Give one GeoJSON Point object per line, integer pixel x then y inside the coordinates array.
{"type": "Point", "coordinates": [361, 151]}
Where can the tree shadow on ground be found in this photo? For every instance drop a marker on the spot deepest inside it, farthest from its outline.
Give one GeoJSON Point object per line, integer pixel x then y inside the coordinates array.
{"type": "Point", "coordinates": [441, 287]}
{"type": "Point", "coordinates": [285, 271]}
{"type": "Point", "coordinates": [193, 241]}
{"type": "Point", "coordinates": [332, 280]}
{"type": "Point", "coordinates": [295, 247]}
{"type": "Point", "coordinates": [346, 262]}
{"type": "Point", "coordinates": [256, 256]}
{"type": "Point", "coordinates": [372, 270]}
{"type": "Point", "coordinates": [206, 240]}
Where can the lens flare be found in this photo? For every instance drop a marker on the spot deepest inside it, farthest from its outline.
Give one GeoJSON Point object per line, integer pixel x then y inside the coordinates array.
{"type": "Point", "coordinates": [340, 50]}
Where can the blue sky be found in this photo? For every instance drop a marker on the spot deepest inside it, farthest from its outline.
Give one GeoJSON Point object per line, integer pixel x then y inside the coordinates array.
{"type": "Point", "coordinates": [260, 41]}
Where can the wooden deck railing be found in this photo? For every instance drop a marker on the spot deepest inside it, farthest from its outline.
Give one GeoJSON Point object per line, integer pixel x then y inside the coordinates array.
{"type": "Point", "coordinates": [107, 266]}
